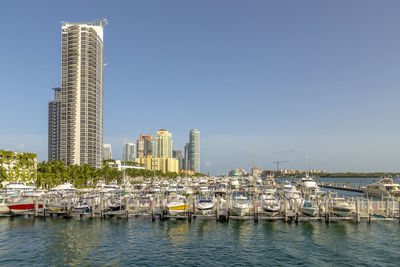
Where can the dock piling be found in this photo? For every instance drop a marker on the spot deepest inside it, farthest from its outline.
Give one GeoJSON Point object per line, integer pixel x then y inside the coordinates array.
{"type": "Point", "coordinates": [36, 206]}
{"type": "Point", "coordinates": [153, 218]}
{"type": "Point", "coordinates": [358, 210]}
{"type": "Point", "coordinates": [286, 209]}
{"type": "Point", "coordinates": [218, 207]}
{"type": "Point", "coordinates": [327, 210]}
{"type": "Point", "coordinates": [255, 209]}
{"type": "Point", "coordinates": [398, 211]}
{"type": "Point", "coordinates": [387, 207]}
{"type": "Point", "coordinates": [93, 207]}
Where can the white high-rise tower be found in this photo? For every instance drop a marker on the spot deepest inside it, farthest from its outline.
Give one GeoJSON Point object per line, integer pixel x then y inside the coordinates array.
{"type": "Point", "coordinates": [82, 71]}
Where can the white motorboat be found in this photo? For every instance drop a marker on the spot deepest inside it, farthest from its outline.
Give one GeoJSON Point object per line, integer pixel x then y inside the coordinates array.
{"type": "Point", "coordinates": [240, 206]}
{"type": "Point", "coordinates": [270, 203]}
{"type": "Point", "coordinates": [341, 208]}
{"type": "Point", "coordinates": [309, 210]}
{"type": "Point", "coordinates": [22, 205]}
{"type": "Point", "coordinates": [204, 204]}
{"type": "Point", "coordinates": [383, 188]}
{"type": "Point", "coordinates": [291, 193]}
{"type": "Point", "coordinates": [177, 205]}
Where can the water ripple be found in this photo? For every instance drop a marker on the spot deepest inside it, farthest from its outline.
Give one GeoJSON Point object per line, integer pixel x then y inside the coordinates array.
{"type": "Point", "coordinates": [140, 242]}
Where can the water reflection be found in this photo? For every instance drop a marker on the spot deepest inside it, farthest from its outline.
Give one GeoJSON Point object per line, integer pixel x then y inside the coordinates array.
{"type": "Point", "coordinates": [177, 231]}
{"type": "Point", "coordinates": [204, 227]}
{"type": "Point", "coordinates": [241, 231]}
{"type": "Point", "coordinates": [97, 242]}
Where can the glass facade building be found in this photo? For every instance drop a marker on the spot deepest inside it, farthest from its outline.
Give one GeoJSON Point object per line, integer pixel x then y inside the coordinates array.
{"type": "Point", "coordinates": [54, 126]}
{"type": "Point", "coordinates": [194, 150]}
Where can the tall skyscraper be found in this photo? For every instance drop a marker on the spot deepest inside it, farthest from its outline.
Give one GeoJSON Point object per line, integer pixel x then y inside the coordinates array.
{"type": "Point", "coordinates": [145, 146]}
{"type": "Point", "coordinates": [130, 151]}
{"type": "Point", "coordinates": [107, 152]}
{"type": "Point", "coordinates": [54, 126]}
{"type": "Point", "coordinates": [194, 150]}
{"type": "Point", "coordinates": [163, 144]}
{"type": "Point", "coordinates": [186, 162]}
{"type": "Point", "coordinates": [82, 71]}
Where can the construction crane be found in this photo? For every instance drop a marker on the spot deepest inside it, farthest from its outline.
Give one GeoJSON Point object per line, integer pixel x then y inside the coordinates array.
{"type": "Point", "coordinates": [279, 162]}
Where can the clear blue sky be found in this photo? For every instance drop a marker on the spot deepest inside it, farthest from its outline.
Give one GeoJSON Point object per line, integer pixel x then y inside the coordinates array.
{"type": "Point", "coordinates": [287, 78]}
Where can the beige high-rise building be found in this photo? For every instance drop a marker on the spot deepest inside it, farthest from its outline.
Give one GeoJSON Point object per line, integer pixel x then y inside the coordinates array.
{"type": "Point", "coordinates": [163, 144]}
{"type": "Point", "coordinates": [82, 71]}
{"type": "Point", "coordinates": [107, 152]}
{"type": "Point", "coordinates": [159, 164]}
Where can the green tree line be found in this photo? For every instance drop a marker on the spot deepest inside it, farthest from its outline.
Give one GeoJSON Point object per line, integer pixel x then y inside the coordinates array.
{"type": "Point", "coordinates": [53, 173]}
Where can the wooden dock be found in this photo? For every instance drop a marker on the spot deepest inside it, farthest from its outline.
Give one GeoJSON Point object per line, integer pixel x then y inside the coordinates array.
{"type": "Point", "coordinates": [340, 186]}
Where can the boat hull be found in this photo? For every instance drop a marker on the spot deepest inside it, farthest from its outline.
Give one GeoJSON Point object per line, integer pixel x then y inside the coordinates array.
{"type": "Point", "coordinates": [176, 210]}
{"type": "Point", "coordinates": [271, 210]}
{"type": "Point", "coordinates": [309, 211]}
{"type": "Point", "coordinates": [22, 208]}
{"type": "Point", "coordinates": [342, 211]}
{"type": "Point", "coordinates": [240, 211]}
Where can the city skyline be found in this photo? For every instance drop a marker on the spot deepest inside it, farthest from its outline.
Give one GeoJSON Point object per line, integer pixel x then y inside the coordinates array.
{"type": "Point", "coordinates": [291, 80]}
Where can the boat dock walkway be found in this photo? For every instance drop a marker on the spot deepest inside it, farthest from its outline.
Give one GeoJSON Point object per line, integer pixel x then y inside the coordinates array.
{"type": "Point", "coordinates": [342, 186]}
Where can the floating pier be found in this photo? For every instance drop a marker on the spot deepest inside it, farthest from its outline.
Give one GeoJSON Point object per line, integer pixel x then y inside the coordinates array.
{"type": "Point", "coordinates": [341, 186]}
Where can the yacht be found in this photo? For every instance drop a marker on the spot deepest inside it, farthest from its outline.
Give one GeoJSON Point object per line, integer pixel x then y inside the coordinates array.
{"type": "Point", "coordinates": [67, 187]}
{"type": "Point", "coordinates": [270, 203]}
{"type": "Point", "coordinates": [383, 188]}
{"type": "Point", "coordinates": [307, 183]}
{"type": "Point", "coordinates": [16, 187]}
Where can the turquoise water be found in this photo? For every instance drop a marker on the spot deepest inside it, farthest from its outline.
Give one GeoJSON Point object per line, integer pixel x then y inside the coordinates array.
{"type": "Point", "coordinates": [140, 242]}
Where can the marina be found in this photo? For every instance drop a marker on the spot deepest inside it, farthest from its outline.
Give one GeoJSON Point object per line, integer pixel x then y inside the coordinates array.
{"type": "Point", "coordinates": [214, 198]}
